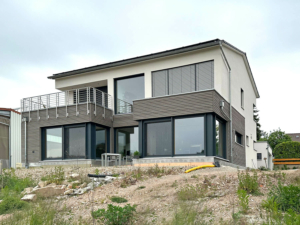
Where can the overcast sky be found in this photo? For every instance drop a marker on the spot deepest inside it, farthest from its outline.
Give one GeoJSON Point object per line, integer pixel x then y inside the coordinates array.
{"type": "Point", "coordinates": [39, 38]}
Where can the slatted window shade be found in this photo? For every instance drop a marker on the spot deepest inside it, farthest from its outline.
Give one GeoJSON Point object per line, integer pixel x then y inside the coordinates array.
{"type": "Point", "coordinates": [160, 83]}
{"type": "Point", "coordinates": [183, 79]}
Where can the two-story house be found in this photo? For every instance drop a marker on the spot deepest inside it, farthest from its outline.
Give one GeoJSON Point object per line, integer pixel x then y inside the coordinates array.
{"type": "Point", "coordinates": [189, 104]}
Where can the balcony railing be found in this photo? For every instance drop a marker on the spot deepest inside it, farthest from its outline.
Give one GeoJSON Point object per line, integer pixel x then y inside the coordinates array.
{"type": "Point", "coordinates": [73, 97]}
{"type": "Point", "coordinates": [123, 107]}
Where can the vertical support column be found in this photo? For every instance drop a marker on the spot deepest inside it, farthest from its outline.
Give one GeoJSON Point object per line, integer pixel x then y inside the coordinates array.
{"type": "Point", "coordinates": [95, 101]}
{"type": "Point", "coordinates": [67, 101]}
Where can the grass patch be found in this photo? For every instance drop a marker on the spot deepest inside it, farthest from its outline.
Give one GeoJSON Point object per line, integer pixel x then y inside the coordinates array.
{"type": "Point", "coordinates": [115, 215]}
{"type": "Point", "coordinates": [190, 192]}
{"type": "Point", "coordinates": [141, 187]}
{"type": "Point", "coordinates": [243, 200]}
{"type": "Point", "coordinates": [118, 199]}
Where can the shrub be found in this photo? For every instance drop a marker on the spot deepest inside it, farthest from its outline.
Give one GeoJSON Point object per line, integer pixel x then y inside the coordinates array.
{"type": "Point", "coordinates": [115, 215]}
{"type": "Point", "coordinates": [243, 200]}
{"type": "Point", "coordinates": [286, 150]}
{"type": "Point", "coordinates": [10, 203]}
{"type": "Point", "coordinates": [118, 199]}
{"type": "Point", "coordinates": [286, 197]}
{"type": "Point", "coordinates": [248, 183]}
{"type": "Point", "coordinates": [14, 183]}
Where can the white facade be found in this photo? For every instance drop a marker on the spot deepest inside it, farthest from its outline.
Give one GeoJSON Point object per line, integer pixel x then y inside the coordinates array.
{"type": "Point", "coordinates": [15, 139]}
{"type": "Point", "coordinates": [266, 152]}
{"type": "Point", "coordinates": [241, 78]}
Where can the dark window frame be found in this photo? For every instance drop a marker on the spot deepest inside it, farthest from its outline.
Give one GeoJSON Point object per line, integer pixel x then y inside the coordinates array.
{"type": "Point", "coordinates": [237, 134]}
{"type": "Point", "coordinates": [64, 146]}
{"type": "Point", "coordinates": [44, 143]}
{"type": "Point", "coordinates": [116, 138]}
{"type": "Point", "coordinates": [115, 88]}
{"type": "Point", "coordinates": [143, 132]}
{"type": "Point", "coordinates": [169, 68]}
{"type": "Point", "coordinates": [258, 156]}
{"type": "Point", "coordinates": [224, 142]}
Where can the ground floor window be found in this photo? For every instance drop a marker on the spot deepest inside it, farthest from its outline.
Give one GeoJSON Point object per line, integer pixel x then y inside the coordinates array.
{"type": "Point", "coordinates": [159, 138]}
{"type": "Point", "coordinates": [75, 143]}
{"type": "Point", "coordinates": [54, 143]}
{"type": "Point", "coordinates": [100, 141]}
{"type": "Point", "coordinates": [220, 138]}
{"type": "Point", "coordinates": [127, 140]}
{"type": "Point", "coordinates": [189, 136]}
{"type": "Point", "coordinates": [80, 141]}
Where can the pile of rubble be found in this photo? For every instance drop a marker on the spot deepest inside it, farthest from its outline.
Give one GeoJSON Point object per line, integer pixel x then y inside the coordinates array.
{"type": "Point", "coordinates": [46, 189]}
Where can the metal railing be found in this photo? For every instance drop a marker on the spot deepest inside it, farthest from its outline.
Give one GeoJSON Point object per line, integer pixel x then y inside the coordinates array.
{"type": "Point", "coordinates": [123, 107]}
{"type": "Point", "coordinates": [67, 98]}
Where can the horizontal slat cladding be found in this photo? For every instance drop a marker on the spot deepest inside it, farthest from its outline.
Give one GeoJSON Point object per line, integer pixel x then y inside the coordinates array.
{"type": "Point", "coordinates": [99, 119]}
{"type": "Point", "coordinates": [184, 104]}
{"type": "Point", "coordinates": [124, 120]}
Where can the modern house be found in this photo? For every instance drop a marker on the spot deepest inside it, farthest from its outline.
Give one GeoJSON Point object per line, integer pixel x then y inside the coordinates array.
{"type": "Point", "coordinates": [189, 104]}
{"type": "Point", "coordinates": [295, 136]}
{"type": "Point", "coordinates": [10, 137]}
{"type": "Point", "coordinates": [264, 155]}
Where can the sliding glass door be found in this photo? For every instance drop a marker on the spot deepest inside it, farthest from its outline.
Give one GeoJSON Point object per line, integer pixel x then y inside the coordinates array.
{"type": "Point", "coordinates": [101, 144]}
{"type": "Point", "coordinates": [75, 143]}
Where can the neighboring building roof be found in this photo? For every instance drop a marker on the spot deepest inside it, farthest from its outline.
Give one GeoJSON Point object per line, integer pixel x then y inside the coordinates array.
{"type": "Point", "coordinates": [295, 136]}
{"type": "Point", "coordinates": [9, 109]}
{"type": "Point", "coordinates": [171, 52]}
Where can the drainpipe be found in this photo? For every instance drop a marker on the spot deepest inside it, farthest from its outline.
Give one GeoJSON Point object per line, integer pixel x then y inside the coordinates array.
{"type": "Point", "coordinates": [230, 108]}
{"type": "Point", "coordinates": [25, 141]}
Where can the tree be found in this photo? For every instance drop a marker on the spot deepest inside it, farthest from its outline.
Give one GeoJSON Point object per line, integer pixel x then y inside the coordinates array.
{"type": "Point", "coordinates": [256, 119]}
{"type": "Point", "coordinates": [277, 137]}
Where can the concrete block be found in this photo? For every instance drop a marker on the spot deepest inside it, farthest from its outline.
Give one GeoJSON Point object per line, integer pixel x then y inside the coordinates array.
{"type": "Point", "coordinates": [29, 198]}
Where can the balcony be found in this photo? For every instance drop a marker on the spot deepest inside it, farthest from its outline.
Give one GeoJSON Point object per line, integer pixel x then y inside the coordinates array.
{"type": "Point", "coordinates": [88, 102]}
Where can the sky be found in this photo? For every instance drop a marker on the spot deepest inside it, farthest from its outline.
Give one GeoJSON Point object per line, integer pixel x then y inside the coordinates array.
{"type": "Point", "coordinates": [40, 38]}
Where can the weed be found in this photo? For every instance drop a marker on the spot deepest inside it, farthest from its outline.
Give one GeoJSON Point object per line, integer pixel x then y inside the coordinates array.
{"type": "Point", "coordinates": [286, 197]}
{"type": "Point", "coordinates": [137, 174]}
{"type": "Point", "coordinates": [97, 171]}
{"type": "Point", "coordinates": [175, 184]}
{"type": "Point", "coordinates": [141, 187]}
{"type": "Point", "coordinates": [118, 199]}
{"type": "Point", "coordinates": [11, 203]}
{"type": "Point", "coordinates": [115, 215]}
{"type": "Point", "coordinates": [248, 183]}
{"type": "Point", "coordinates": [190, 192]}
{"type": "Point", "coordinates": [127, 181]}
{"type": "Point", "coordinates": [194, 176]}
{"type": "Point", "coordinates": [56, 176]}
{"type": "Point", "coordinates": [243, 200]}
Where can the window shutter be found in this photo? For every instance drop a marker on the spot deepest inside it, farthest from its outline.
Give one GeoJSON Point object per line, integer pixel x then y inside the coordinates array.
{"type": "Point", "coordinates": [205, 75]}
{"type": "Point", "coordinates": [160, 83]}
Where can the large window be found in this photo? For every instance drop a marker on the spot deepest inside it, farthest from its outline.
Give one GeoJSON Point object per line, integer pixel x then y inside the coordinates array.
{"type": "Point", "coordinates": [100, 141]}
{"type": "Point", "coordinates": [75, 143]}
{"type": "Point", "coordinates": [53, 143]}
{"type": "Point", "coordinates": [159, 138]}
{"type": "Point", "coordinates": [127, 90]}
{"type": "Point", "coordinates": [220, 138]}
{"type": "Point", "coordinates": [189, 136]}
{"type": "Point", "coordinates": [127, 140]}
{"type": "Point", "coordinates": [195, 77]}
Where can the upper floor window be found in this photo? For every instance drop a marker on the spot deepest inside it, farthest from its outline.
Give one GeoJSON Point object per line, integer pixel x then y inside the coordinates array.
{"type": "Point", "coordinates": [183, 79]}
{"type": "Point", "coordinates": [247, 140]}
{"type": "Point", "coordinates": [242, 98]}
{"type": "Point", "coordinates": [126, 90]}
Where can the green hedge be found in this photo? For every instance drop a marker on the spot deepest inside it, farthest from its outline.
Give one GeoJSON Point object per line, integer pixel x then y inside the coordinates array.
{"type": "Point", "coordinates": [287, 150]}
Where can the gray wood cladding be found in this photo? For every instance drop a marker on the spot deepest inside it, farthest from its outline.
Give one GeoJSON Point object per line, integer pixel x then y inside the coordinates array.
{"type": "Point", "coordinates": [124, 120]}
{"type": "Point", "coordinates": [195, 77]}
{"type": "Point", "coordinates": [179, 105]}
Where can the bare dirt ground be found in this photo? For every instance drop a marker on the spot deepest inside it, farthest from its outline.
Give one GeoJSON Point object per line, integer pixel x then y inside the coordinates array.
{"type": "Point", "coordinates": [157, 197]}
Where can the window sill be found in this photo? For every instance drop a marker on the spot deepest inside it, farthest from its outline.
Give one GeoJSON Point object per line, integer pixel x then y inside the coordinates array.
{"type": "Point", "coordinates": [239, 144]}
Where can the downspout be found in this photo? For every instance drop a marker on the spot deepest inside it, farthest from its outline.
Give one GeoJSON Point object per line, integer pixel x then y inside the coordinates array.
{"type": "Point", "coordinates": [230, 108]}
{"type": "Point", "coordinates": [25, 141]}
